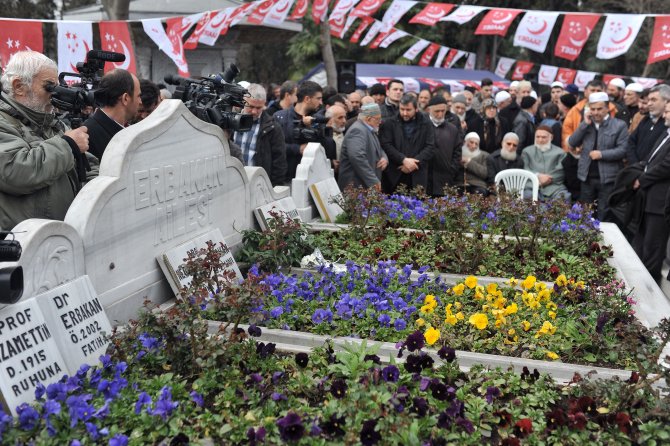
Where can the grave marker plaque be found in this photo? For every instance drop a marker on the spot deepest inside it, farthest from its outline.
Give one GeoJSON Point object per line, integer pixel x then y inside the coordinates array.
{"type": "Point", "coordinates": [286, 206]}
{"type": "Point", "coordinates": [323, 193]}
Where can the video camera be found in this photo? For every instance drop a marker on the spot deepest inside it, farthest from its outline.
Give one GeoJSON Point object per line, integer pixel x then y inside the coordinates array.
{"type": "Point", "coordinates": [316, 133]}
{"type": "Point", "coordinates": [212, 99]}
{"type": "Point", "coordinates": [72, 99]}
{"type": "Point", "coordinates": [11, 278]}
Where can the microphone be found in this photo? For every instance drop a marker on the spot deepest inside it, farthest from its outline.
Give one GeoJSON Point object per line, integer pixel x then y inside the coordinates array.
{"type": "Point", "coordinates": [173, 79]}
{"type": "Point", "coordinates": [107, 56]}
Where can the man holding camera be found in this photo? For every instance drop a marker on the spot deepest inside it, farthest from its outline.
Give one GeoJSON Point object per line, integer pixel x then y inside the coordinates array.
{"type": "Point", "coordinates": [42, 160]}
{"type": "Point", "coordinates": [118, 99]}
{"type": "Point", "coordinates": [310, 99]}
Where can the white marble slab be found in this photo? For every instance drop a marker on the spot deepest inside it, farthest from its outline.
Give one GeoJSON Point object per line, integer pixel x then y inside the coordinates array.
{"type": "Point", "coordinates": [313, 168]}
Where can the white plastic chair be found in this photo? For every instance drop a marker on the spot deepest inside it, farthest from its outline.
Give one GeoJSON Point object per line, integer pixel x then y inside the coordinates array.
{"type": "Point", "coordinates": [515, 181]}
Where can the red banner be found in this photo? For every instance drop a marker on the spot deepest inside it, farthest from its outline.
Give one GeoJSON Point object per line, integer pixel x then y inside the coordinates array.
{"type": "Point", "coordinates": [496, 22]}
{"type": "Point", "coordinates": [450, 57]}
{"type": "Point", "coordinates": [566, 75]}
{"type": "Point", "coordinates": [257, 16]}
{"type": "Point", "coordinates": [367, 8]}
{"type": "Point", "coordinates": [319, 10]}
{"type": "Point", "coordinates": [379, 39]}
{"type": "Point", "coordinates": [432, 13]}
{"type": "Point", "coordinates": [299, 10]}
{"type": "Point", "coordinates": [192, 41]}
{"type": "Point", "coordinates": [114, 36]}
{"type": "Point", "coordinates": [432, 83]}
{"type": "Point", "coordinates": [660, 42]}
{"type": "Point", "coordinates": [19, 36]}
{"type": "Point", "coordinates": [575, 32]}
{"type": "Point", "coordinates": [522, 68]}
{"type": "Point", "coordinates": [428, 55]}
{"type": "Point", "coordinates": [365, 22]}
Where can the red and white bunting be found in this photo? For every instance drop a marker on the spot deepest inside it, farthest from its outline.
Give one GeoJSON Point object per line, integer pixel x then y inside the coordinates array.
{"type": "Point", "coordinates": [432, 83]}
{"type": "Point", "coordinates": [262, 9]}
{"type": "Point", "coordinates": [278, 13]}
{"type": "Point", "coordinates": [300, 10]}
{"type": "Point", "coordinates": [535, 29]}
{"type": "Point", "coordinates": [238, 14]}
{"type": "Point", "coordinates": [319, 10]}
{"type": "Point", "coordinates": [432, 13]}
{"type": "Point", "coordinates": [575, 31]}
{"type": "Point", "coordinates": [547, 74]}
{"type": "Point", "coordinates": [379, 39]}
{"type": "Point", "coordinates": [342, 7]}
{"type": "Point", "coordinates": [372, 32]}
{"type": "Point", "coordinates": [365, 22]}
{"type": "Point", "coordinates": [428, 55]}
{"type": "Point", "coordinates": [449, 57]}
{"type": "Point", "coordinates": [566, 75]}
{"type": "Point", "coordinates": [217, 26]}
{"type": "Point", "coordinates": [660, 42]}
{"type": "Point", "coordinates": [415, 49]}
{"type": "Point", "coordinates": [395, 12]}
{"type": "Point", "coordinates": [19, 35]}
{"type": "Point", "coordinates": [521, 69]}
{"type": "Point", "coordinates": [463, 14]}
{"type": "Point", "coordinates": [115, 37]}
{"type": "Point", "coordinates": [471, 61]}
{"type": "Point", "coordinates": [584, 77]}
{"type": "Point", "coordinates": [504, 65]}
{"type": "Point", "coordinates": [155, 31]}
{"type": "Point", "coordinates": [339, 29]}
{"type": "Point", "coordinates": [618, 34]}
{"type": "Point", "coordinates": [497, 22]}
{"type": "Point", "coordinates": [395, 35]}
{"type": "Point", "coordinates": [192, 41]}
{"type": "Point", "coordinates": [440, 56]}
{"type": "Point", "coordinates": [452, 58]}
{"type": "Point", "coordinates": [367, 8]}
{"type": "Point", "coordinates": [75, 39]}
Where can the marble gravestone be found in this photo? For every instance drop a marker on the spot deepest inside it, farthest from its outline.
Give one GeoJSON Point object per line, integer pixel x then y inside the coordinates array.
{"type": "Point", "coordinates": [324, 193]}
{"type": "Point", "coordinates": [262, 192]}
{"type": "Point", "coordinates": [313, 168]}
{"type": "Point", "coordinates": [162, 182]}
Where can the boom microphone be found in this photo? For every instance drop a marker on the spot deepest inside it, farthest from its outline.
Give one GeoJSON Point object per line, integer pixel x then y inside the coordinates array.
{"type": "Point", "coordinates": [107, 56]}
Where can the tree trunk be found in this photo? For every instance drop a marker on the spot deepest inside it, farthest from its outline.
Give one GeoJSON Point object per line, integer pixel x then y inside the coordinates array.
{"type": "Point", "coordinates": [117, 9]}
{"type": "Point", "coordinates": [327, 55]}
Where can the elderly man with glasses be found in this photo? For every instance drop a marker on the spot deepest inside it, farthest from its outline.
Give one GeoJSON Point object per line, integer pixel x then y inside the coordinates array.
{"type": "Point", "coordinates": [506, 157]}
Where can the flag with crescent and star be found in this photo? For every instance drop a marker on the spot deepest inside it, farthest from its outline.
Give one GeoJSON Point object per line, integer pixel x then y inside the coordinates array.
{"type": "Point", "coordinates": [660, 42]}
{"type": "Point", "coordinates": [114, 36]}
{"type": "Point", "coordinates": [75, 39]}
{"type": "Point", "coordinates": [19, 35]}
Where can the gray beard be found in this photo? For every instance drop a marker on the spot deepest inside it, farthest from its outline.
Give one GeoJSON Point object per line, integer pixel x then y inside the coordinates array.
{"type": "Point", "coordinates": [507, 155]}
{"type": "Point", "coordinates": [466, 154]}
{"type": "Point", "coordinates": [543, 147]}
{"type": "Point", "coordinates": [436, 122]}
{"type": "Point", "coordinates": [461, 117]}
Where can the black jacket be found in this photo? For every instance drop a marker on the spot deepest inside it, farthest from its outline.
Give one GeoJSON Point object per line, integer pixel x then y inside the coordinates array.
{"type": "Point", "coordinates": [101, 129]}
{"type": "Point", "coordinates": [285, 119]}
{"type": "Point", "coordinates": [497, 163]}
{"type": "Point", "coordinates": [492, 134]}
{"type": "Point", "coordinates": [510, 112]}
{"type": "Point", "coordinates": [270, 150]}
{"type": "Point", "coordinates": [656, 180]}
{"type": "Point", "coordinates": [641, 141]}
{"type": "Point", "coordinates": [444, 167]}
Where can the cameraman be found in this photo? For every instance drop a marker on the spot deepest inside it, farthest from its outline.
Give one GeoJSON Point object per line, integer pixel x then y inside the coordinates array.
{"type": "Point", "coordinates": [42, 160]}
{"type": "Point", "coordinates": [310, 97]}
{"type": "Point", "coordinates": [118, 99]}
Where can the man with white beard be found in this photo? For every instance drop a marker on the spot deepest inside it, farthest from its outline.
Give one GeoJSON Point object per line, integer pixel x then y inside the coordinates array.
{"type": "Point", "coordinates": [337, 119]}
{"type": "Point", "coordinates": [475, 167]}
{"type": "Point", "coordinates": [506, 157]}
{"type": "Point", "coordinates": [544, 160]}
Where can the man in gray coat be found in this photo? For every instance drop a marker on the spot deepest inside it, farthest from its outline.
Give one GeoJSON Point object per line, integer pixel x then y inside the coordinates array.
{"type": "Point", "coordinates": [603, 140]}
{"type": "Point", "coordinates": [41, 158]}
{"type": "Point", "coordinates": [362, 159]}
{"type": "Point", "coordinates": [545, 160]}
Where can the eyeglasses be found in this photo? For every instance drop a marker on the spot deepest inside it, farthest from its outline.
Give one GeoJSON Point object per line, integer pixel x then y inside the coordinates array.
{"type": "Point", "coordinates": [511, 144]}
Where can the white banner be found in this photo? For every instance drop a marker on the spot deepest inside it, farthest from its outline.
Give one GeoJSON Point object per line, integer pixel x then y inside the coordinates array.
{"type": "Point", "coordinates": [618, 34]}
{"type": "Point", "coordinates": [463, 14]}
{"type": "Point", "coordinates": [547, 74]}
{"type": "Point", "coordinates": [415, 49]}
{"type": "Point", "coordinates": [372, 32]}
{"type": "Point", "coordinates": [584, 77]}
{"type": "Point", "coordinates": [504, 65]}
{"type": "Point", "coordinates": [341, 9]}
{"type": "Point", "coordinates": [75, 39]}
{"type": "Point", "coordinates": [155, 31]}
{"type": "Point", "coordinates": [457, 57]}
{"type": "Point", "coordinates": [440, 56]}
{"type": "Point", "coordinates": [471, 62]}
{"type": "Point", "coordinates": [214, 27]}
{"type": "Point", "coordinates": [646, 82]}
{"type": "Point", "coordinates": [278, 12]}
{"type": "Point", "coordinates": [535, 29]}
{"type": "Point", "coordinates": [395, 35]}
{"type": "Point", "coordinates": [395, 12]}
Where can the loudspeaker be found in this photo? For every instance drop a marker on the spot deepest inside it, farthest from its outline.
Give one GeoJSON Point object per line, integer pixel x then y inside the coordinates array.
{"type": "Point", "coordinates": [346, 76]}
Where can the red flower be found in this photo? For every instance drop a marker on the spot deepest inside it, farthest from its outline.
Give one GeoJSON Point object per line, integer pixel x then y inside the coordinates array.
{"type": "Point", "coordinates": [578, 420]}
{"type": "Point", "coordinates": [524, 427]}
{"type": "Point", "coordinates": [634, 378]}
{"type": "Point", "coordinates": [511, 441]}
{"type": "Point", "coordinates": [624, 423]}
{"type": "Point", "coordinates": [554, 271]}
{"type": "Point", "coordinates": [505, 418]}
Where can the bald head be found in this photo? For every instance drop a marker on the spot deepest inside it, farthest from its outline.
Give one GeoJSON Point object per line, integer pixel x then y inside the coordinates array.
{"type": "Point", "coordinates": [337, 117]}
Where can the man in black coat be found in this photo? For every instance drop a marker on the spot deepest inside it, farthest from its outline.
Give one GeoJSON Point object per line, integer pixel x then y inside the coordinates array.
{"type": "Point", "coordinates": [505, 158]}
{"type": "Point", "coordinates": [652, 237]}
{"type": "Point", "coordinates": [651, 127]}
{"type": "Point", "coordinates": [263, 145]}
{"type": "Point", "coordinates": [409, 142]}
{"type": "Point", "coordinates": [118, 99]}
{"type": "Point", "coordinates": [524, 123]}
{"type": "Point", "coordinates": [444, 167]}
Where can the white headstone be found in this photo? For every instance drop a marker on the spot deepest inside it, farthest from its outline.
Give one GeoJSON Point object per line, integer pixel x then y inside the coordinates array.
{"type": "Point", "coordinates": [171, 261]}
{"type": "Point", "coordinates": [323, 194]}
{"type": "Point", "coordinates": [261, 190]}
{"type": "Point", "coordinates": [163, 181]}
{"type": "Point", "coordinates": [313, 167]}
{"type": "Point", "coordinates": [286, 206]}
{"type": "Point", "coordinates": [77, 321]}
{"type": "Point", "coordinates": [28, 353]}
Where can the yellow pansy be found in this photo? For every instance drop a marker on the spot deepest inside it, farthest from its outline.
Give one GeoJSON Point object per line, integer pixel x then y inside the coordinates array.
{"type": "Point", "coordinates": [429, 299]}
{"type": "Point", "coordinates": [511, 332]}
{"type": "Point", "coordinates": [511, 309]}
{"type": "Point", "coordinates": [458, 289]}
{"type": "Point", "coordinates": [479, 295]}
{"type": "Point", "coordinates": [427, 309]}
{"type": "Point", "coordinates": [458, 305]}
{"type": "Point", "coordinates": [539, 286]}
{"type": "Point", "coordinates": [513, 281]}
{"type": "Point", "coordinates": [529, 282]}
{"type": "Point", "coordinates": [431, 335]}
{"type": "Point", "coordinates": [552, 314]}
{"type": "Point", "coordinates": [561, 280]}
{"type": "Point", "coordinates": [460, 316]}
{"type": "Point", "coordinates": [500, 303]}
{"type": "Point", "coordinates": [491, 288]}
{"type": "Point", "coordinates": [547, 328]}
{"type": "Point", "coordinates": [525, 325]}
{"type": "Point", "coordinates": [479, 320]}
{"type": "Point", "coordinates": [544, 294]}
{"type": "Point", "coordinates": [471, 282]}
{"type": "Point", "coordinates": [552, 355]}
{"type": "Point", "coordinates": [551, 306]}
{"type": "Point", "coordinates": [420, 322]}
{"type": "Point", "coordinates": [451, 319]}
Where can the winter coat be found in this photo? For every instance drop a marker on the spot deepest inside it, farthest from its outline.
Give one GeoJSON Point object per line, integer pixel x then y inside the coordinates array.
{"type": "Point", "coordinates": [446, 163]}
{"type": "Point", "coordinates": [612, 140]}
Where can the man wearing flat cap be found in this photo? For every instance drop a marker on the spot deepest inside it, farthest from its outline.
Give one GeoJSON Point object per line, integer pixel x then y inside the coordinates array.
{"type": "Point", "coordinates": [444, 167]}
{"type": "Point", "coordinates": [603, 140]}
{"type": "Point", "coordinates": [362, 159]}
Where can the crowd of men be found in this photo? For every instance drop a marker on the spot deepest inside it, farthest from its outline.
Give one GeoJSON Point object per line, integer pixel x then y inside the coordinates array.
{"type": "Point", "coordinates": [609, 147]}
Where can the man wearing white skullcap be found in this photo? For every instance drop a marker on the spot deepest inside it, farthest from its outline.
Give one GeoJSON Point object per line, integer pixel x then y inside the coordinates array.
{"type": "Point", "coordinates": [603, 140]}
{"type": "Point", "coordinates": [615, 89]}
{"type": "Point", "coordinates": [556, 92]}
{"type": "Point", "coordinates": [631, 97]}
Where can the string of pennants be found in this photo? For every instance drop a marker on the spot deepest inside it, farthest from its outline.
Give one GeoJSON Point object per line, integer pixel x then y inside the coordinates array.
{"type": "Point", "coordinates": [533, 32]}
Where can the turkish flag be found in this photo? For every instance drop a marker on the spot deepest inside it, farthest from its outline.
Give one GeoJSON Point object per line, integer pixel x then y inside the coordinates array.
{"type": "Point", "coordinates": [574, 33]}
{"type": "Point", "coordinates": [19, 36]}
{"type": "Point", "coordinates": [566, 75]}
{"type": "Point", "coordinates": [428, 55]}
{"type": "Point", "coordinates": [115, 37]}
{"type": "Point", "coordinates": [367, 8]}
{"type": "Point", "coordinates": [660, 42]}
{"type": "Point", "coordinates": [522, 68]}
{"type": "Point", "coordinates": [496, 22]}
{"type": "Point", "coordinates": [365, 22]}
{"type": "Point", "coordinates": [319, 10]}
{"type": "Point", "coordinates": [257, 16]}
{"type": "Point", "coordinates": [300, 10]}
{"type": "Point", "coordinates": [432, 13]}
